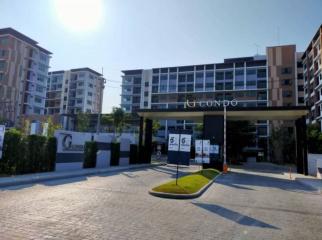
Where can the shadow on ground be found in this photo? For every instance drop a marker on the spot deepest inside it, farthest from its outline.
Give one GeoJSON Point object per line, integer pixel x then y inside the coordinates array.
{"type": "Point", "coordinates": [234, 216]}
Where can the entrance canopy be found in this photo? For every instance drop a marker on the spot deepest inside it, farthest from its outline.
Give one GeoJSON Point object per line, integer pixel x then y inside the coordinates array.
{"type": "Point", "coordinates": [233, 113]}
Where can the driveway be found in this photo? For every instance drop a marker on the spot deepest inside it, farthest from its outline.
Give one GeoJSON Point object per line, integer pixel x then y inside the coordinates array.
{"type": "Point", "coordinates": [244, 204]}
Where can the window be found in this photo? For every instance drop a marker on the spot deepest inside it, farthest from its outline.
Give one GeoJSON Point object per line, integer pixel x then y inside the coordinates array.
{"type": "Point", "coordinates": [136, 90]}
{"type": "Point", "coordinates": [286, 70]}
{"type": "Point", "coordinates": [155, 80]}
{"type": "Point", "coordinates": [154, 89]}
{"type": "Point", "coordinates": [286, 82]}
{"type": "Point", "coordinates": [219, 76]}
{"type": "Point", "coordinates": [199, 81]}
{"type": "Point", "coordinates": [38, 99]}
{"type": "Point", "coordinates": [261, 73]}
{"type": "Point", "coordinates": [37, 110]}
{"type": "Point", "coordinates": [146, 94]}
{"type": "Point", "coordinates": [89, 102]}
{"type": "Point", "coordinates": [43, 57]}
{"type": "Point", "coordinates": [228, 86]}
{"type": "Point", "coordinates": [3, 52]}
{"type": "Point", "coordinates": [4, 41]}
{"type": "Point", "coordinates": [190, 78]}
{"type": "Point", "coordinates": [90, 85]}
{"type": "Point", "coordinates": [39, 88]}
{"type": "Point", "coordinates": [42, 67]}
{"type": "Point", "coordinates": [261, 84]}
{"type": "Point", "coordinates": [146, 84]}
{"type": "Point", "coordinates": [137, 80]}
{"type": "Point", "coordinates": [300, 88]}
{"type": "Point", "coordinates": [146, 103]}
{"type": "Point", "coordinates": [2, 65]}
{"type": "Point", "coordinates": [79, 101]}
{"type": "Point", "coordinates": [229, 75]}
{"type": "Point", "coordinates": [2, 76]}
{"type": "Point", "coordinates": [287, 93]}
{"type": "Point", "coordinates": [80, 84]}
{"type": "Point", "coordinates": [89, 94]}
{"type": "Point", "coordinates": [219, 86]}
{"type": "Point", "coordinates": [239, 85]}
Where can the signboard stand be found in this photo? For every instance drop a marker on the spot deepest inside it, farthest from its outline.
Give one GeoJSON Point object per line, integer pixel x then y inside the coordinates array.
{"type": "Point", "coordinates": [179, 149]}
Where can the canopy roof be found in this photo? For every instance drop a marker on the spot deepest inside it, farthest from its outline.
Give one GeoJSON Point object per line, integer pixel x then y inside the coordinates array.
{"type": "Point", "coordinates": [233, 113]}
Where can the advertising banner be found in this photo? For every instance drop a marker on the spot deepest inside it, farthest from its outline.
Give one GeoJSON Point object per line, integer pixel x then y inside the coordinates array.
{"type": "Point", "coordinates": [198, 146]}
{"type": "Point", "coordinates": [214, 149]}
{"type": "Point", "coordinates": [206, 151]}
{"type": "Point", "coordinates": [185, 142]}
{"type": "Point", "coordinates": [2, 132]}
{"type": "Point", "coordinates": [173, 142]}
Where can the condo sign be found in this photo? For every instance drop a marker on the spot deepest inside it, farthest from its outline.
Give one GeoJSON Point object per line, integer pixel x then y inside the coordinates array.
{"type": "Point", "coordinates": [211, 103]}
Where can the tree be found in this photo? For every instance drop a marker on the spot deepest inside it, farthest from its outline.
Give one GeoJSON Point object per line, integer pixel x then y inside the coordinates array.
{"type": "Point", "coordinates": [120, 120]}
{"type": "Point", "coordinates": [52, 127]}
{"type": "Point", "coordinates": [283, 144]}
{"type": "Point", "coordinates": [82, 122]}
{"type": "Point", "coordinates": [155, 127]}
{"type": "Point", "coordinates": [314, 138]}
{"type": "Point", "coordinates": [107, 121]}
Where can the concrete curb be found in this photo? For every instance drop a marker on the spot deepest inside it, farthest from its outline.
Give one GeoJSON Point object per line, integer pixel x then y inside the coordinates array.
{"type": "Point", "coordinates": [317, 189]}
{"type": "Point", "coordinates": [41, 177]}
{"type": "Point", "coordinates": [184, 196]}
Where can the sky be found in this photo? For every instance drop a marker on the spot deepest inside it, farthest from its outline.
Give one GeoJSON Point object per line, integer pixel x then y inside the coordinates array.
{"type": "Point", "coordinates": [115, 35]}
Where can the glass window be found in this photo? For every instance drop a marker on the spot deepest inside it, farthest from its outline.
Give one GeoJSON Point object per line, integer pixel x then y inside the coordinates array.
{"type": "Point", "coordinates": [154, 89]}
{"type": "Point", "coordinates": [261, 73]}
{"type": "Point", "coordinates": [189, 87]}
{"type": "Point", "coordinates": [2, 65]}
{"type": "Point", "coordinates": [251, 74]}
{"type": "Point", "coordinates": [181, 88]}
{"type": "Point", "coordinates": [219, 86]}
{"type": "Point", "coordinates": [229, 75]}
{"type": "Point", "coordinates": [155, 80]}
{"type": "Point", "coordinates": [239, 85]}
{"type": "Point", "coordinates": [239, 75]}
{"type": "Point", "coordinates": [261, 84]}
{"type": "Point", "coordinates": [219, 76]}
{"type": "Point", "coordinates": [182, 78]}
{"type": "Point", "coordinates": [286, 70]}
{"type": "Point", "coordinates": [228, 86]}
{"type": "Point", "coordinates": [190, 77]}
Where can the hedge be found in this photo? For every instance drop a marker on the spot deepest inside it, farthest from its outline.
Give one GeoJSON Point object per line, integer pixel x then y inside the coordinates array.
{"type": "Point", "coordinates": [90, 151]}
{"type": "Point", "coordinates": [115, 154]}
{"type": "Point", "coordinates": [27, 154]}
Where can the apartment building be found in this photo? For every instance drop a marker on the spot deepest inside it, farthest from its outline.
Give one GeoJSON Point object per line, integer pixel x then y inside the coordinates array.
{"type": "Point", "coordinates": [75, 90]}
{"type": "Point", "coordinates": [312, 71]}
{"type": "Point", "coordinates": [265, 80]}
{"type": "Point", "coordinates": [23, 76]}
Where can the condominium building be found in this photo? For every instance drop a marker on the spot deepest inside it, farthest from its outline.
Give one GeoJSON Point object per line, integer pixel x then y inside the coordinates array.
{"type": "Point", "coordinates": [23, 76]}
{"type": "Point", "coordinates": [73, 91]}
{"type": "Point", "coordinates": [265, 80]}
{"type": "Point", "coordinates": [312, 71]}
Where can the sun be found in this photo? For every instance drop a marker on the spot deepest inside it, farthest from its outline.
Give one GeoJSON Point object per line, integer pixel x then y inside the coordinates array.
{"type": "Point", "coordinates": [79, 15]}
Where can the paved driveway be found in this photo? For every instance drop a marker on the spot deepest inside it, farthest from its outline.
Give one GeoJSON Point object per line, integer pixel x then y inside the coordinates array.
{"type": "Point", "coordinates": [245, 204]}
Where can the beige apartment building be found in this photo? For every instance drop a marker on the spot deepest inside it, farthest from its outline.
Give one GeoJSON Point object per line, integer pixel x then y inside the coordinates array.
{"type": "Point", "coordinates": [23, 76]}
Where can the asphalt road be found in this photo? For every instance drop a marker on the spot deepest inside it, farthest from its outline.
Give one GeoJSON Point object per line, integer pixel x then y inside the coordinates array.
{"type": "Point", "coordinates": [245, 204]}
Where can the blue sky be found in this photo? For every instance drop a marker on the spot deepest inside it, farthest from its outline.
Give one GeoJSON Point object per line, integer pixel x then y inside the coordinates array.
{"type": "Point", "coordinates": [148, 33]}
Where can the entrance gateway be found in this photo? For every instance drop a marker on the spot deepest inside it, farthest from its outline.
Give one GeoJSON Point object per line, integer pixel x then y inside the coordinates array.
{"type": "Point", "coordinates": [213, 124]}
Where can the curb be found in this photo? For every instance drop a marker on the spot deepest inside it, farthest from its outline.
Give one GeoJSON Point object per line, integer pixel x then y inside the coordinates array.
{"type": "Point", "coordinates": [39, 178]}
{"type": "Point", "coordinates": [184, 196]}
{"type": "Point", "coordinates": [317, 190]}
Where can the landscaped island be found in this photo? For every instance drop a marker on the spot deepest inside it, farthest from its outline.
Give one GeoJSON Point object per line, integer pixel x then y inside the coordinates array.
{"type": "Point", "coordinates": [189, 184]}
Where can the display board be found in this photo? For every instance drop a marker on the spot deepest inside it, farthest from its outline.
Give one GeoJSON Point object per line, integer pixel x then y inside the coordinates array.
{"type": "Point", "coordinates": [198, 147]}
{"type": "Point", "coordinates": [205, 151]}
{"type": "Point", "coordinates": [179, 145]}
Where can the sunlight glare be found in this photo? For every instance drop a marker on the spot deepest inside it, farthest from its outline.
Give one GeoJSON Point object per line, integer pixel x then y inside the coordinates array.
{"type": "Point", "coordinates": [79, 15]}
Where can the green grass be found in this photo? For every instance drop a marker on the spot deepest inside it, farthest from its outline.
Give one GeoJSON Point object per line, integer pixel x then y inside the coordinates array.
{"type": "Point", "coordinates": [189, 184]}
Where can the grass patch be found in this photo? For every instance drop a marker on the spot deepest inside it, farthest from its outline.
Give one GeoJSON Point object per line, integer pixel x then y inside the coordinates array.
{"type": "Point", "coordinates": [189, 184]}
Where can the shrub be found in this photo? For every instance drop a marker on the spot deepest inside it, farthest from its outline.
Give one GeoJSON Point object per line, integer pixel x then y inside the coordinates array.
{"type": "Point", "coordinates": [36, 154]}
{"type": "Point", "coordinates": [51, 149]}
{"type": "Point", "coordinates": [27, 154]}
{"type": "Point", "coordinates": [115, 154]}
{"type": "Point", "coordinates": [90, 155]}
{"type": "Point", "coordinates": [12, 152]}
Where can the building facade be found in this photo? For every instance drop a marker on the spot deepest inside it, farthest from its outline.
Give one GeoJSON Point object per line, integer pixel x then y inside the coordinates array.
{"type": "Point", "coordinates": [73, 91]}
{"type": "Point", "coordinates": [265, 80]}
{"type": "Point", "coordinates": [23, 76]}
{"type": "Point", "coordinates": [312, 71]}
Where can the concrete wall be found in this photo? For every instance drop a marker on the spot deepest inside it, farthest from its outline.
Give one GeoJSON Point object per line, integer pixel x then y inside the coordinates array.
{"type": "Point", "coordinates": [314, 162]}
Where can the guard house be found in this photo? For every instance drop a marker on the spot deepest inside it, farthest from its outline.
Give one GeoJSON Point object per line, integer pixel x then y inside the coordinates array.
{"type": "Point", "coordinates": [212, 116]}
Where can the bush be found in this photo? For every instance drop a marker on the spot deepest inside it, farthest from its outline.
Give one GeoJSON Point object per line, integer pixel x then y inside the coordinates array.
{"type": "Point", "coordinates": [27, 154]}
{"type": "Point", "coordinates": [12, 152]}
{"type": "Point", "coordinates": [36, 154]}
{"type": "Point", "coordinates": [115, 154]}
{"type": "Point", "coordinates": [90, 151]}
{"type": "Point", "coordinates": [51, 149]}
